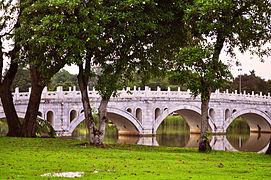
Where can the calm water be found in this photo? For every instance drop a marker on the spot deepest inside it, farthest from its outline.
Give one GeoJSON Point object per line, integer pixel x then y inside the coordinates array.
{"type": "Point", "coordinates": [176, 134]}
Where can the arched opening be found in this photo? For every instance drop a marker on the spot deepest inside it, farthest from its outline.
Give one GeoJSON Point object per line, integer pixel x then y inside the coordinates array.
{"type": "Point", "coordinates": [173, 130]}
{"type": "Point", "coordinates": [120, 123]}
{"type": "Point", "coordinates": [82, 111]}
{"type": "Point", "coordinates": [39, 114]}
{"type": "Point", "coordinates": [73, 115]}
{"type": "Point", "coordinates": [115, 131]}
{"type": "Point", "coordinates": [245, 132]}
{"type": "Point", "coordinates": [50, 117]}
{"type": "Point", "coordinates": [123, 125]}
{"type": "Point", "coordinates": [129, 110]}
{"type": "Point", "coordinates": [212, 113]}
{"type": "Point", "coordinates": [227, 114]}
{"type": "Point", "coordinates": [157, 112]}
{"type": "Point", "coordinates": [233, 111]}
{"type": "Point", "coordinates": [139, 114]}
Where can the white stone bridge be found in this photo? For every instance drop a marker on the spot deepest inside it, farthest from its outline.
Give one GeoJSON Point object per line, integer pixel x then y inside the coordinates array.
{"type": "Point", "coordinates": [140, 112]}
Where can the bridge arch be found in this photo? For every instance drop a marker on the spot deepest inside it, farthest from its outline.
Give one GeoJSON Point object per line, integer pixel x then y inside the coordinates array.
{"type": "Point", "coordinates": [192, 115]}
{"type": "Point", "coordinates": [50, 116]}
{"type": "Point", "coordinates": [72, 115]}
{"type": "Point", "coordinates": [125, 122]}
{"type": "Point", "coordinates": [257, 120]}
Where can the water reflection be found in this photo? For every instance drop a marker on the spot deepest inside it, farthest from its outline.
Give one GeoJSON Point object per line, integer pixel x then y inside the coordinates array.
{"type": "Point", "coordinates": [175, 133]}
{"type": "Point", "coordinates": [255, 142]}
{"type": "Point", "coordinates": [179, 136]}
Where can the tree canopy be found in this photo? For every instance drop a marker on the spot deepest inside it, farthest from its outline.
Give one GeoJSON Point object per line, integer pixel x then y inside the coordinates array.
{"type": "Point", "coordinates": [214, 25]}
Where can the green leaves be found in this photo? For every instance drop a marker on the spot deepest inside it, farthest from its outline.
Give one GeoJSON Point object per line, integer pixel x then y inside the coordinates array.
{"type": "Point", "coordinates": [197, 68]}
{"type": "Point", "coordinates": [212, 26]}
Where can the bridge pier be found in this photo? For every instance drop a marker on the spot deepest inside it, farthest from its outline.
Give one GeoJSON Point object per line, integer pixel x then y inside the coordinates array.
{"type": "Point", "coordinates": [147, 132]}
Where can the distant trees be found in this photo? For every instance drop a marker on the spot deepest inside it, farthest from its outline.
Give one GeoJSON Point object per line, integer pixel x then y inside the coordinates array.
{"type": "Point", "coordinates": [249, 83]}
{"type": "Point", "coordinates": [22, 80]}
{"type": "Point", "coordinates": [62, 78]}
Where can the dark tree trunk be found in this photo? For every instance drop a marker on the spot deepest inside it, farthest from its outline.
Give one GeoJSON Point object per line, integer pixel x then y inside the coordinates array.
{"type": "Point", "coordinates": [7, 102]}
{"type": "Point", "coordinates": [204, 144]}
{"type": "Point", "coordinates": [6, 94]}
{"type": "Point", "coordinates": [99, 136]}
{"type": "Point", "coordinates": [83, 84]}
{"type": "Point", "coordinates": [269, 149]}
{"type": "Point", "coordinates": [37, 85]}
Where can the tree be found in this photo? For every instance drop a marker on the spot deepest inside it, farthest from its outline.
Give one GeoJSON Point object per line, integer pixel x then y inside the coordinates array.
{"type": "Point", "coordinates": [135, 38]}
{"type": "Point", "coordinates": [218, 24]}
{"type": "Point", "coordinates": [269, 85]}
{"type": "Point", "coordinates": [201, 73]}
{"type": "Point", "coordinates": [48, 40]}
{"type": "Point", "coordinates": [8, 23]}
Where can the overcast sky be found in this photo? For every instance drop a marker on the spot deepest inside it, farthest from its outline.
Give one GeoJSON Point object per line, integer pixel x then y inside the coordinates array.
{"type": "Point", "coordinates": [249, 63]}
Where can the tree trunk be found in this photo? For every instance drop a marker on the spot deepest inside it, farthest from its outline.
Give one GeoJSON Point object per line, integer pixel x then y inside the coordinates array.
{"type": "Point", "coordinates": [204, 144]}
{"type": "Point", "coordinates": [7, 102]}
{"type": "Point", "coordinates": [99, 136]}
{"type": "Point", "coordinates": [6, 94]}
{"type": "Point", "coordinates": [83, 84]}
{"type": "Point", "coordinates": [269, 149]}
{"type": "Point", "coordinates": [37, 85]}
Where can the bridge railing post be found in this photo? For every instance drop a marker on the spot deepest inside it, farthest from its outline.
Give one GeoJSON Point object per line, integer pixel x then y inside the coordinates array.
{"type": "Point", "coordinates": [16, 93]}
{"type": "Point", "coordinates": [59, 91]}
{"type": "Point", "coordinates": [158, 89]}
{"type": "Point", "coordinates": [146, 91]}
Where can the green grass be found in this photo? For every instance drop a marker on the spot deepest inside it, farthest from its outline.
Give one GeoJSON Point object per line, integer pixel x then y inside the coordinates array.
{"type": "Point", "coordinates": [27, 158]}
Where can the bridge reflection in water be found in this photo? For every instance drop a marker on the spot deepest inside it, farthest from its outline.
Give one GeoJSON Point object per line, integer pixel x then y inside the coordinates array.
{"type": "Point", "coordinates": [254, 143]}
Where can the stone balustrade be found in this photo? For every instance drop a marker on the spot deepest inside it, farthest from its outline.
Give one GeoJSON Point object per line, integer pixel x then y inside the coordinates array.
{"type": "Point", "coordinates": [146, 93]}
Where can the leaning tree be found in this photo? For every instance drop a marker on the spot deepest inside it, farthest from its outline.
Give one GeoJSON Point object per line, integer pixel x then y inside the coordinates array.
{"type": "Point", "coordinates": [215, 25]}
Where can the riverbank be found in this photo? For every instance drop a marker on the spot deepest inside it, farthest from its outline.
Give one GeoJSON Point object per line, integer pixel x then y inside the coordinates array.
{"type": "Point", "coordinates": [27, 158]}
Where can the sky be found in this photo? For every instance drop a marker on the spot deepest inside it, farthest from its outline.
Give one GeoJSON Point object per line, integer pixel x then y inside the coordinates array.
{"type": "Point", "coordinates": [248, 63]}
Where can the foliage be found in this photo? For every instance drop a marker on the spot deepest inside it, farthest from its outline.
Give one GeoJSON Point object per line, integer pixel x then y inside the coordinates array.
{"type": "Point", "coordinates": [207, 138]}
{"type": "Point", "coordinates": [29, 158]}
{"type": "Point", "coordinates": [237, 126]}
{"type": "Point", "coordinates": [62, 78]}
{"type": "Point", "coordinates": [22, 80]}
{"type": "Point", "coordinates": [136, 39]}
{"type": "Point", "coordinates": [44, 128]}
{"type": "Point", "coordinates": [154, 82]}
{"type": "Point", "coordinates": [242, 24]}
{"type": "Point", "coordinates": [49, 35]}
{"type": "Point", "coordinates": [249, 83]}
{"type": "Point", "coordinates": [199, 71]}
{"type": "Point", "coordinates": [214, 25]}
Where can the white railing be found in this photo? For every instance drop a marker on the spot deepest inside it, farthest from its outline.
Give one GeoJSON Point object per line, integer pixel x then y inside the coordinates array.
{"type": "Point", "coordinates": [146, 93]}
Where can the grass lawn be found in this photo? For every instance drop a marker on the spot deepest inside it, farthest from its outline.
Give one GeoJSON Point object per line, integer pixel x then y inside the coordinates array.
{"type": "Point", "coordinates": [27, 158]}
